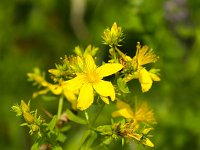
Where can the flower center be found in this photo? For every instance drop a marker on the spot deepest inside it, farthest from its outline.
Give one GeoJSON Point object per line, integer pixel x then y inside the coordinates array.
{"type": "Point", "coordinates": [92, 77]}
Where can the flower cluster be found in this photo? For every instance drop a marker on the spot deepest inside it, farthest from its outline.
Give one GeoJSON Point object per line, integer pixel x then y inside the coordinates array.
{"type": "Point", "coordinates": [113, 36]}
{"type": "Point", "coordinates": [134, 67]}
{"type": "Point", "coordinates": [83, 82]}
{"type": "Point", "coordinates": [31, 119]}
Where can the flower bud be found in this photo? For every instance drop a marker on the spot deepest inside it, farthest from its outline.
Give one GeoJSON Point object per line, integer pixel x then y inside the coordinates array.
{"type": "Point", "coordinates": [28, 117]}
{"type": "Point", "coordinates": [24, 107]}
{"type": "Point", "coordinates": [113, 36]}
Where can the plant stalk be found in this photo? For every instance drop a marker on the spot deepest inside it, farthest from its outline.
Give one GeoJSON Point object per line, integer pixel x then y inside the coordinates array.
{"type": "Point", "coordinates": [60, 106]}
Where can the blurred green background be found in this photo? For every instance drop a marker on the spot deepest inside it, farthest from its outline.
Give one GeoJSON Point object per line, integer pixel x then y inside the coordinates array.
{"type": "Point", "coordinates": [38, 32]}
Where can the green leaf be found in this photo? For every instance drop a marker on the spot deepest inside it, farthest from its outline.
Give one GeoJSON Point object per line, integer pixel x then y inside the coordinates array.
{"type": "Point", "coordinates": [49, 98]}
{"type": "Point", "coordinates": [65, 128]}
{"type": "Point", "coordinates": [35, 146]}
{"type": "Point", "coordinates": [122, 85]}
{"type": "Point", "coordinates": [75, 118]}
{"type": "Point", "coordinates": [78, 51]}
{"type": "Point", "coordinates": [61, 137]}
{"type": "Point", "coordinates": [108, 140]}
{"type": "Point", "coordinates": [23, 124]}
{"type": "Point", "coordinates": [90, 141]}
{"type": "Point", "coordinates": [105, 130]}
{"type": "Point", "coordinates": [84, 137]}
{"type": "Point", "coordinates": [52, 123]}
{"type": "Point", "coordinates": [16, 108]}
{"type": "Point", "coordinates": [146, 131]}
{"type": "Point", "coordinates": [91, 50]}
{"type": "Point", "coordinates": [122, 141]}
{"type": "Point", "coordinates": [57, 148]}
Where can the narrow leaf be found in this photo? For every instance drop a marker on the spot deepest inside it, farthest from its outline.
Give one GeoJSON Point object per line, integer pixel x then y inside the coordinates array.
{"type": "Point", "coordinates": [61, 137]}
{"type": "Point", "coordinates": [65, 128]}
{"type": "Point", "coordinates": [35, 146]}
{"type": "Point", "coordinates": [122, 85]}
{"type": "Point", "coordinates": [84, 137]}
{"type": "Point", "coordinates": [91, 140]}
{"type": "Point", "coordinates": [52, 123]}
{"type": "Point", "coordinates": [122, 141]}
{"type": "Point", "coordinates": [75, 118]}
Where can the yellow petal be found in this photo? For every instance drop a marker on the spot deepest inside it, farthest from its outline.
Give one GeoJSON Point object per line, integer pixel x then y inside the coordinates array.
{"type": "Point", "coordinates": [145, 80]}
{"type": "Point", "coordinates": [86, 97]}
{"type": "Point", "coordinates": [105, 88]}
{"type": "Point", "coordinates": [74, 83]}
{"type": "Point", "coordinates": [79, 62]}
{"type": "Point", "coordinates": [121, 104]}
{"type": "Point", "coordinates": [145, 55]}
{"type": "Point", "coordinates": [55, 89]}
{"type": "Point", "coordinates": [41, 92]}
{"type": "Point", "coordinates": [136, 136]}
{"type": "Point", "coordinates": [71, 97]}
{"type": "Point", "coordinates": [108, 69]}
{"type": "Point", "coordinates": [78, 51]}
{"type": "Point", "coordinates": [55, 72]}
{"type": "Point", "coordinates": [147, 130]}
{"type": "Point", "coordinates": [154, 76]}
{"type": "Point", "coordinates": [122, 112]}
{"type": "Point", "coordinates": [147, 142]}
{"type": "Point", "coordinates": [114, 28]}
{"type": "Point", "coordinates": [127, 58]}
{"type": "Point", "coordinates": [145, 114]}
{"type": "Point", "coordinates": [105, 99]}
{"type": "Point", "coordinates": [89, 64]}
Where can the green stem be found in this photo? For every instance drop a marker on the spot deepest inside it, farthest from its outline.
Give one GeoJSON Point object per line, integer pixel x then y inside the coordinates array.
{"type": "Point", "coordinates": [60, 105]}
{"type": "Point", "coordinates": [115, 56]}
{"type": "Point", "coordinates": [87, 118]}
{"type": "Point", "coordinates": [120, 52]}
{"type": "Point", "coordinates": [98, 113]}
{"type": "Point", "coordinates": [89, 131]}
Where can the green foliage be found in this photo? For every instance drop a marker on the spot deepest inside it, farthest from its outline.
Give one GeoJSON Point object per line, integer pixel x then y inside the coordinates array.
{"type": "Point", "coordinates": [36, 33]}
{"type": "Point", "coordinates": [45, 133]}
{"type": "Point", "coordinates": [122, 85]}
{"type": "Point", "coordinates": [75, 118]}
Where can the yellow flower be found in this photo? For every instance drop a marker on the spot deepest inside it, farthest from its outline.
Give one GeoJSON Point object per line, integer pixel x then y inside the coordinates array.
{"type": "Point", "coordinates": [64, 89]}
{"type": "Point", "coordinates": [89, 50]}
{"type": "Point", "coordinates": [37, 77]}
{"type": "Point", "coordinates": [91, 78]}
{"type": "Point", "coordinates": [135, 69]}
{"type": "Point", "coordinates": [144, 55]}
{"type": "Point", "coordinates": [56, 89]}
{"type": "Point", "coordinates": [142, 114]}
{"type": "Point", "coordinates": [124, 110]}
{"type": "Point", "coordinates": [144, 140]}
{"type": "Point", "coordinates": [146, 79]}
{"type": "Point", "coordinates": [131, 129]}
